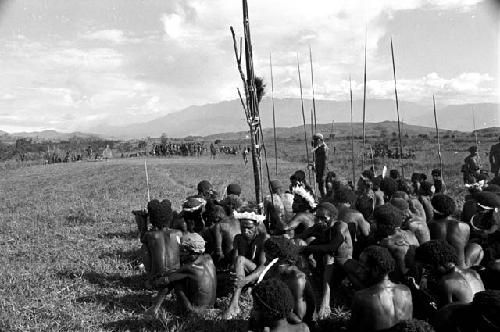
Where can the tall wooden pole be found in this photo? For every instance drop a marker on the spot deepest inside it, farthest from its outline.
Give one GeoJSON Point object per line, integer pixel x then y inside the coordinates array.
{"type": "Point", "coordinates": [274, 118]}
{"type": "Point", "coordinates": [352, 138]}
{"type": "Point", "coordinates": [364, 112]}
{"type": "Point", "coordinates": [397, 111]}
{"type": "Point", "coordinates": [437, 135]}
{"type": "Point", "coordinates": [303, 118]}
{"type": "Point", "coordinates": [474, 125]}
{"type": "Point", "coordinates": [312, 85]}
{"type": "Point", "coordinates": [253, 107]}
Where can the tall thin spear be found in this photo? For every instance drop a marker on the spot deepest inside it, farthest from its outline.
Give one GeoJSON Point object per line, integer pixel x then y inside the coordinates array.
{"type": "Point", "coordinates": [312, 85]}
{"type": "Point", "coordinates": [303, 118]}
{"type": "Point", "coordinates": [147, 178]}
{"type": "Point", "coordinates": [474, 124]}
{"type": "Point", "coordinates": [364, 111]}
{"type": "Point", "coordinates": [352, 138]}
{"type": "Point", "coordinates": [437, 134]}
{"type": "Point", "coordinates": [274, 118]}
{"type": "Point", "coordinates": [397, 111]}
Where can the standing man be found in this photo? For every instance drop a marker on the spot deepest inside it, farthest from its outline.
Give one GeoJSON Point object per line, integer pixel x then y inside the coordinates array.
{"type": "Point", "coordinates": [472, 166]}
{"type": "Point", "coordinates": [495, 158]}
{"type": "Point", "coordinates": [320, 151]}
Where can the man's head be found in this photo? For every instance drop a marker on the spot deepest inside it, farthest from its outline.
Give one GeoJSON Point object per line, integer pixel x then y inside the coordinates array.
{"type": "Point", "coordinates": [473, 149]}
{"type": "Point", "coordinates": [325, 213]}
{"type": "Point", "coordinates": [303, 201]}
{"type": "Point", "coordinates": [231, 204]}
{"type": "Point", "coordinates": [387, 219]}
{"type": "Point", "coordinates": [345, 196]}
{"type": "Point", "coordinates": [233, 189]}
{"type": "Point", "coordinates": [249, 220]}
{"type": "Point", "coordinates": [317, 138]}
{"type": "Point", "coordinates": [205, 189]}
{"type": "Point", "coordinates": [394, 174]}
{"type": "Point", "coordinates": [282, 248]}
{"type": "Point", "coordinates": [436, 174]}
{"type": "Point", "coordinates": [276, 186]}
{"type": "Point", "coordinates": [160, 213]}
{"type": "Point", "coordinates": [444, 205]}
{"type": "Point", "coordinates": [378, 261]}
{"type": "Point", "coordinates": [389, 186]}
{"type": "Point", "coordinates": [486, 306]}
{"type": "Point", "coordinates": [300, 176]}
{"type": "Point", "coordinates": [427, 188]}
{"type": "Point", "coordinates": [192, 245]}
{"type": "Point", "coordinates": [402, 205]}
{"type": "Point", "coordinates": [272, 301]}
{"type": "Point", "coordinates": [436, 256]}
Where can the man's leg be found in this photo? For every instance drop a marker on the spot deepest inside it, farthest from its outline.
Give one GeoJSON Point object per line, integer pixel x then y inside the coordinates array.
{"type": "Point", "coordinates": [241, 268]}
{"type": "Point", "coordinates": [324, 309]}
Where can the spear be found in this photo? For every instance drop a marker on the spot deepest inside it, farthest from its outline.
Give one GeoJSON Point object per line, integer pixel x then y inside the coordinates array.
{"type": "Point", "coordinates": [147, 177]}
{"type": "Point", "coordinates": [474, 124]}
{"type": "Point", "coordinates": [437, 134]}
{"type": "Point", "coordinates": [397, 111]}
{"type": "Point", "coordinates": [352, 137]}
{"type": "Point", "coordinates": [312, 85]}
{"type": "Point", "coordinates": [303, 118]}
{"type": "Point", "coordinates": [274, 118]}
{"type": "Point", "coordinates": [364, 111]}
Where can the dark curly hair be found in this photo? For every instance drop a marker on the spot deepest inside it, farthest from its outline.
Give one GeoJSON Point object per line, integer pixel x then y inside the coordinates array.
{"type": "Point", "coordinates": [443, 204]}
{"type": "Point", "coordinates": [364, 205]}
{"type": "Point", "coordinates": [282, 248]}
{"type": "Point", "coordinates": [412, 325]}
{"type": "Point", "coordinates": [388, 186]}
{"type": "Point", "coordinates": [437, 253]}
{"type": "Point", "coordinates": [387, 218]}
{"type": "Point", "coordinates": [345, 195]}
{"type": "Point", "coordinates": [379, 258]}
{"type": "Point", "coordinates": [486, 299]}
{"type": "Point", "coordinates": [160, 213]}
{"type": "Point", "coordinates": [231, 204]}
{"type": "Point", "coordinates": [394, 174]}
{"type": "Point", "coordinates": [425, 188]}
{"type": "Point", "coordinates": [377, 182]}
{"type": "Point", "coordinates": [273, 298]}
{"type": "Point", "coordinates": [400, 194]}
{"type": "Point", "coordinates": [332, 210]}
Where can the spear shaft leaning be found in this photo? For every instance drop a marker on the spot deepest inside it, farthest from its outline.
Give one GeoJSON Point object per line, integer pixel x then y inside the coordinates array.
{"type": "Point", "coordinates": [364, 112]}
{"type": "Point", "coordinates": [437, 135]}
{"type": "Point", "coordinates": [274, 117]}
{"type": "Point", "coordinates": [303, 118]}
{"type": "Point", "coordinates": [312, 85]}
{"type": "Point", "coordinates": [352, 138]}
{"type": "Point", "coordinates": [397, 111]}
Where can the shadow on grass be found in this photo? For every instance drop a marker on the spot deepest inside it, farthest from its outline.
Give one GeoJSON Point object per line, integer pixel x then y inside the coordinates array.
{"type": "Point", "coordinates": [136, 325]}
{"type": "Point", "coordinates": [136, 303]}
{"type": "Point", "coordinates": [106, 280]}
{"type": "Point", "coordinates": [132, 256]}
{"type": "Point", "coordinates": [130, 235]}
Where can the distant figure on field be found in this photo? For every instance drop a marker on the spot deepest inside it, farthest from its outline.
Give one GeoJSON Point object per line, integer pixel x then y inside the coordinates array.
{"type": "Point", "coordinates": [320, 150]}
{"type": "Point", "coordinates": [472, 166]}
{"type": "Point", "coordinates": [495, 158]}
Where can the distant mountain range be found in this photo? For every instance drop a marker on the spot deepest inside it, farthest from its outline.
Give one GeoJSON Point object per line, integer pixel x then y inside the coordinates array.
{"type": "Point", "coordinates": [228, 116]}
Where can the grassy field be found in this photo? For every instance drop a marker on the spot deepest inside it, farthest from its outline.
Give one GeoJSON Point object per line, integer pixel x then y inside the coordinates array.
{"type": "Point", "coordinates": [69, 247]}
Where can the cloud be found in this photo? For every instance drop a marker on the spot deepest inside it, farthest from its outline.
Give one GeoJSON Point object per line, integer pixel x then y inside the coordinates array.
{"type": "Point", "coordinates": [112, 35]}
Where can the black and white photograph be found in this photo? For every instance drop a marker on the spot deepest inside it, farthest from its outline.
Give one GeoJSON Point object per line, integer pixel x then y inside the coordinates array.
{"type": "Point", "coordinates": [250, 165]}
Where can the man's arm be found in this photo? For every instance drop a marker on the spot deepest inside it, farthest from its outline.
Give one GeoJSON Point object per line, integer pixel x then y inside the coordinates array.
{"type": "Point", "coordinates": [336, 240]}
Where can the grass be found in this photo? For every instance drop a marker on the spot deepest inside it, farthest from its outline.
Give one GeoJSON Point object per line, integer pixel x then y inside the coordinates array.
{"type": "Point", "coordinates": [69, 250]}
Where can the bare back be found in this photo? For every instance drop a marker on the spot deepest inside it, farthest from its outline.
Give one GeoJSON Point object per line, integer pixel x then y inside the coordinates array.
{"type": "Point", "coordinates": [454, 232]}
{"type": "Point", "coordinates": [381, 307]}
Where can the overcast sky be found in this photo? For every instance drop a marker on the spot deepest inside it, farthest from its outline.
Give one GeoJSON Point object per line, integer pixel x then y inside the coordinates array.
{"type": "Point", "coordinates": [73, 64]}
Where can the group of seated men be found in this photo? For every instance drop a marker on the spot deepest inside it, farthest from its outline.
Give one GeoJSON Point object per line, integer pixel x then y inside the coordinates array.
{"type": "Point", "coordinates": [414, 261]}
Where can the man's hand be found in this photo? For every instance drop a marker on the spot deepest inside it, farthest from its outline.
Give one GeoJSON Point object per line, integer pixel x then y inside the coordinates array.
{"type": "Point", "coordinates": [238, 281]}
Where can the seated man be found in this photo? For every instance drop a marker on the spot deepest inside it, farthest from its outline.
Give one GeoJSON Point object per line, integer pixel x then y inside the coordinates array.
{"type": "Point", "coordinates": [444, 227]}
{"type": "Point", "coordinates": [411, 222]}
{"type": "Point", "coordinates": [298, 179]}
{"type": "Point", "coordinates": [479, 316]}
{"type": "Point", "coordinates": [278, 207]}
{"type": "Point", "coordinates": [192, 210]}
{"type": "Point", "coordinates": [439, 184]}
{"type": "Point", "coordinates": [194, 283]}
{"type": "Point", "coordinates": [249, 257]}
{"type": "Point", "coordinates": [401, 243]}
{"type": "Point", "coordinates": [220, 235]}
{"type": "Point", "coordinates": [160, 216]}
{"type": "Point", "coordinates": [345, 200]}
{"type": "Point", "coordinates": [332, 247]}
{"type": "Point", "coordinates": [384, 303]}
{"type": "Point", "coordinates": [424, 196]}
{"type": "Point", "coordinates": [303, 206]}
{"type": "Point", "coordinates": [284, 259]}
{"type": "Point", "coordinates": [272, 304]}
{"type": "Point", "coordinates": [442, 276]}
